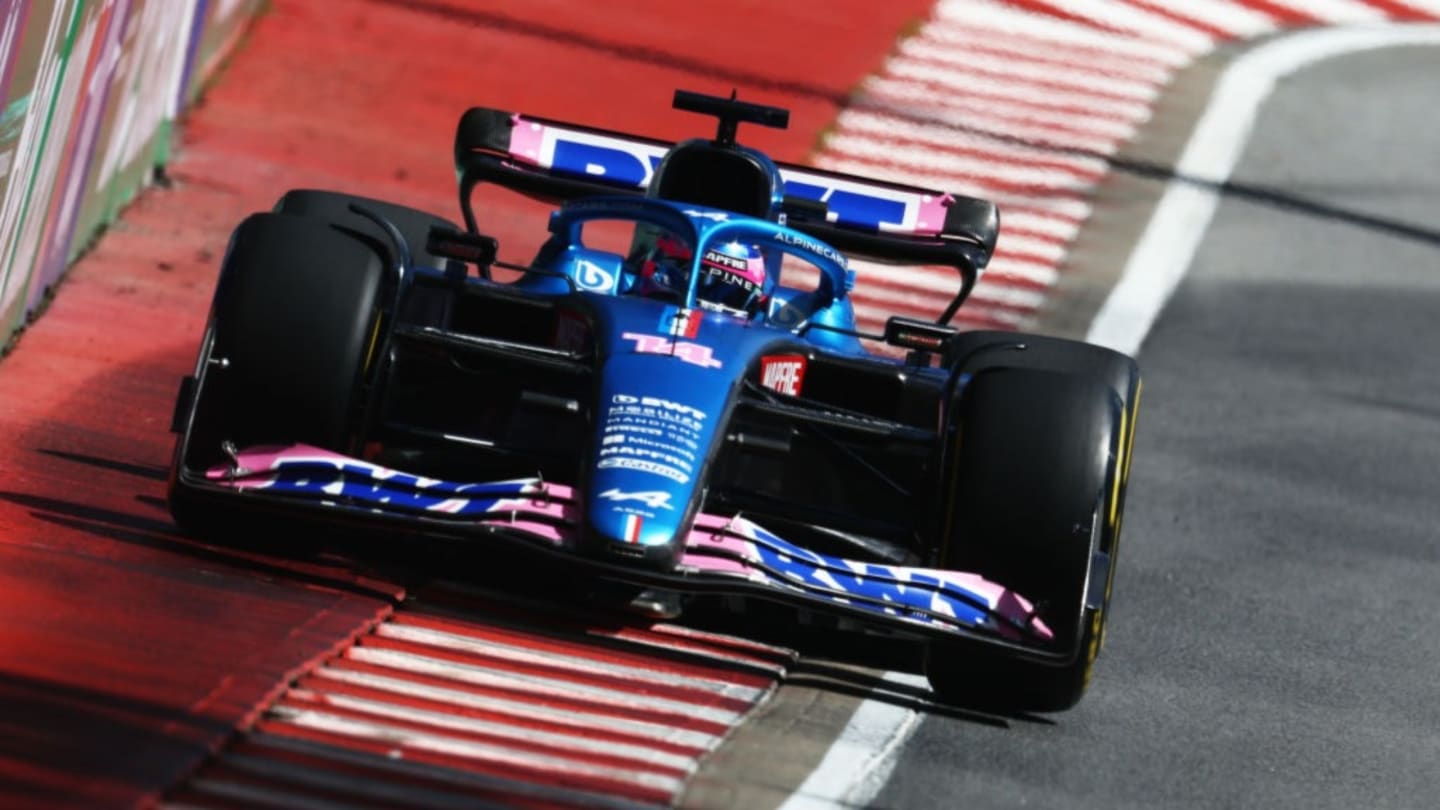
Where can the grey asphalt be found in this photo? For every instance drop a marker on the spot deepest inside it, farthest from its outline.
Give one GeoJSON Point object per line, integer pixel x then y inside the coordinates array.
{"type": "Point", "coordinates": [1273, 640]}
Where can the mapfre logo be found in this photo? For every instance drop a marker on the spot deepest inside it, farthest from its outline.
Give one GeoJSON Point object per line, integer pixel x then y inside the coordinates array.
{"type": "Point", "coordinates": [783, 373]}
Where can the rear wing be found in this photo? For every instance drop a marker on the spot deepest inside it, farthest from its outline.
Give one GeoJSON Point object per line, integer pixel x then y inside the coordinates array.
{"type": "Point", "coordinates": [887, 222]}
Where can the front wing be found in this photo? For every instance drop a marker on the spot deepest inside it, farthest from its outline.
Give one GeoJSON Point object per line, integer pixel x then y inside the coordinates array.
{"type": "Point", "coordinates": [721, 554]}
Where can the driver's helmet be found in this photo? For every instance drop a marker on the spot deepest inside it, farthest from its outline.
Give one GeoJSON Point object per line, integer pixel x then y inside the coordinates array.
{"type": "Point", "coordinates": [732, 279]}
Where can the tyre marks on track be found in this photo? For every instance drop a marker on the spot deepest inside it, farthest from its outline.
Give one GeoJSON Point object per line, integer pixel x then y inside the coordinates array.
{"type": "Point", "coordinates": [466, 697]}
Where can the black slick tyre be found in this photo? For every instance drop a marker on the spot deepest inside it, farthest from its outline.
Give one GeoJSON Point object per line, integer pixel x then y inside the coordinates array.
{"type": "Point", "coordinates": [334, 208]}
{"type": "Point", "coordinates": [1035, 487]}
{"type": "Point", "coordinates": [294, 330]}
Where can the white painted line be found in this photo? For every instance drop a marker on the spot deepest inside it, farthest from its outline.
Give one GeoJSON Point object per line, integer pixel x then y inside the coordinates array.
{"type": "Point", "coordinates": [1337, 11]}
{"type": "Point", "coordinates": [1060, 229]}
{"type": "Point", "coordinates": [974, 118]}
{"type": "Point", "coordinates": [1233, 16]}
{"type": "Point", "coordinates": [1430, 7]}
{"type": "Point", "coordinates": [536, 685]}
{"type": "Point", "coordinates": [944, 280]}
{"type": "Point", "coordinates": [659, 636]}
{"type": "Point", "coordinates": [751, 655]}
{"type": "Point", "coordinates": [943, 64]}
{"type": "Point", "coordinates": [1125, 17]}
{"type": "Point", "coordinates": [456, 722]}
{"type": "Point", "coordinates": [700, 649]}
{"type": "Point", "coordinates": [1066, 208]}
{"type": "Point", "coordinates": [573, 663]}
{"type": "Point", "coordinates": [660, 732]}
{"type": "Point", "coordinates": [400, 736]}
{"type": "Point", "coordinates": [1164, 251]}
{"type": "Point", "coordinates": [948, 140]}
{"type": "Point", "coordinates": [980, 15]}
{"type": "Point", "coordinates": [998, 294]}
{"type": "Point", "coordinates": [1020, 269]}
{"type": "Point", "coordinates": [861, 759]}
{"type": "Point", "coordinates": [741, 645]}
{"type": "Point", "coordinates": [873, 318]}
{"type": "Point", "coordinates": [1021, 92]}
{"type": "Point", "coordinates": [1015, 117]}
{"type": "Point", "coordinates": [919, 158]}
{"type": "Point", "coordinates": [982, 44]}
{"type": "Point", "coordinates": [1014, 246]}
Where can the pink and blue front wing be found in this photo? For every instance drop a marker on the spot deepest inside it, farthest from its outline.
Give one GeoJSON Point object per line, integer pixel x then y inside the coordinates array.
{"type": "Point", "coordinates": [717, 548]}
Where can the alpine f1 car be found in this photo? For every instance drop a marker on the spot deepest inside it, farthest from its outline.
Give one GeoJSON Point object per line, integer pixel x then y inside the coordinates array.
{"type": "Point", "coordinates": [674, 395]}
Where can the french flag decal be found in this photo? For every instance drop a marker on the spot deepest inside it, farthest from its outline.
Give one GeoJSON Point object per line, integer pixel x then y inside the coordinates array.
{"type": "Point", "coordinates": [681, 322]}
{"type": "Point", "coordinates": [632, 528]}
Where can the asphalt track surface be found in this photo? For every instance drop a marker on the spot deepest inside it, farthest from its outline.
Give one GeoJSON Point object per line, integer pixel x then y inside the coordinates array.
{"type": "Point", "coordinates": [1272, 638]}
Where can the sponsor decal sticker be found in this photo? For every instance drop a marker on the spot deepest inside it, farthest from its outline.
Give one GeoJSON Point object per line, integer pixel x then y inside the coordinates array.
{"type": "Point", "coordinates": [632, 528]}
{"type": "Point", "coordinates": [693, 353]}
{"type": "Point", "coordinates": [650, 434]}
{"type": "Point", "coordinates": [783, 373]}
{"type": "Point", "coordinates": [629, 162]}
{"type": "Point", "coordinates": [716, 216]}
{"type": "Point", "coordinates": [654, 499]}
{"type": "Point", "coordinates": [591, 276]}
{"type": "Point", "coordinates": [803, 242]}
{"type": "Point", "coordinates": [681, 322]}
{"type": "Point", "coordinates": [643, 465]}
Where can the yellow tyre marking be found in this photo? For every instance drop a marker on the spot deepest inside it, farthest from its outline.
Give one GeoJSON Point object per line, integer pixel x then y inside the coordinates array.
{"type": "Point", "coordinates": [370, 350]}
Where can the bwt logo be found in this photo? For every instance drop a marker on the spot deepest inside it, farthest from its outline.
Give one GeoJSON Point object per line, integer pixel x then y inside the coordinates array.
{"type": "Point", "coordinates": [632, 163]}
{"type": "Point", "coordinates": [784, 373]}
{"type": "Point", "coordinates": [621, 162]}
{"type": "Point", "coordinates": [659, 402]}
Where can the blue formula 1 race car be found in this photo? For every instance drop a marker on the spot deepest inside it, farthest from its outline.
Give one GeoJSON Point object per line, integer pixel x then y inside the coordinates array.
{"type": "Point", "coordinates": [674, 395]}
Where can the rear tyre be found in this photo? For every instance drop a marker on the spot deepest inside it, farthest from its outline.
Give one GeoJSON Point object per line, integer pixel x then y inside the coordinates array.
{"type": "Point", "coordinates": [1035, 476]}
{"type": "Point", "coordinates": [294, 330]}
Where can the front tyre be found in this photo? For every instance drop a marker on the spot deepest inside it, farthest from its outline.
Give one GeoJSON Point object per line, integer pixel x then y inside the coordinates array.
{"type": "Point", "coordinates": [292, 338]}
{"type": "Point", "coordinates": [1036, 483]}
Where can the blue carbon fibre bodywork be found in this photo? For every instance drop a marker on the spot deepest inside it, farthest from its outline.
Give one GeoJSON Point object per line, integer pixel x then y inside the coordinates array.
{"type": "Point", "coordinates": [663, 401]}
{"type": "Point", "coordinates": [670, 370]}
